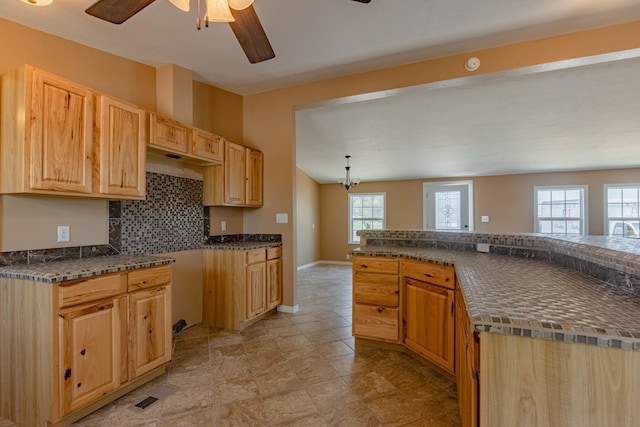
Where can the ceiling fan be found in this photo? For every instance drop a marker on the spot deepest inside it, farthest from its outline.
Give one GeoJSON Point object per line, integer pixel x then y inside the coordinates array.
{"type": "Point", "coordinates": [243, 21]}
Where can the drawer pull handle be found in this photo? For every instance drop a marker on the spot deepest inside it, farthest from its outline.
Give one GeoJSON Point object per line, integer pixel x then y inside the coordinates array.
{"type": "Point", "coordinates": [67, 374]}
{"type": "Point", "coordinates": [380, 309]}
{"type": "Point", "coordinates": [428, 275]}
{"type": "Point", "coordinates": [364, 266]}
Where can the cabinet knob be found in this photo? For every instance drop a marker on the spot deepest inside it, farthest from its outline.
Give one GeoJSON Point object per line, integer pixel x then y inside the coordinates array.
{"type": "Point", "coordinates": [83, 352]}
{"type": "Point", "coordinates": [67, 374]}
{"type": "Point", "coordinates": [380, 309]}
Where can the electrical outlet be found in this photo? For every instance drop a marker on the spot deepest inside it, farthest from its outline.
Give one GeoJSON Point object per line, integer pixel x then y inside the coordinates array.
{"type": "Point", "coordinates": [63, 233]}
{"type": "Point", "coordinates": [223, 225]}
{"type": "Point", "coordinates": [282, 218]}
{"type": "Point", "coordinates": [484, 218]}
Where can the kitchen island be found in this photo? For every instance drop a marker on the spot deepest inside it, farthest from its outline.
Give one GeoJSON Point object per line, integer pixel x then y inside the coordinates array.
{"type": "Point", "coordinates": [557, 346]}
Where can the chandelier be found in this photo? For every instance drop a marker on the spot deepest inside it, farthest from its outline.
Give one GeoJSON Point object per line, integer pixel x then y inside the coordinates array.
{"type": "Point", "coordinates": [347, 182]}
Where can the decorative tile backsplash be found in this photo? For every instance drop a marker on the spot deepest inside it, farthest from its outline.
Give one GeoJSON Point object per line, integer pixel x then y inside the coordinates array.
{"type": "Point", "coordinates": [171, 219]}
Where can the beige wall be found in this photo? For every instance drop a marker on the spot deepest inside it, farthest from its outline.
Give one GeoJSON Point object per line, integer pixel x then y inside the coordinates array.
{"type": "Point", "coordinates": [269, 119]}
{"type": "Point", "coordinates": [506, 199]}
{"type": "Point", "coordinates": [308, 229]}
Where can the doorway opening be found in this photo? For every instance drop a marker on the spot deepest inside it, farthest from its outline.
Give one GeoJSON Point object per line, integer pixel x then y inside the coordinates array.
{"type": "Point", "coordinates": [447, 206]}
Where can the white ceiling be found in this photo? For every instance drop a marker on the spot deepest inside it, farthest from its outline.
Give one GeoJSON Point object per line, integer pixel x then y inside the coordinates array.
{"type": "Point", "coordinates": [477, 128]}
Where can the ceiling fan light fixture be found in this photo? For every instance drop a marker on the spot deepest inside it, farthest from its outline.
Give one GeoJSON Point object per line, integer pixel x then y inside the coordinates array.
{"type": "Point", "coordinates": [218, 11]}
{"type": "Point", "coordinates": [240, 4]}
{"type": "Point", "coordinates": [37, 2]}
{"type": "Point", "coordinates": [181, 4]}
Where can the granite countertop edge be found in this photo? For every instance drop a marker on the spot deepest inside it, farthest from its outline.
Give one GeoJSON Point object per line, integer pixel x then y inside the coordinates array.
{"type": "Point", "coordinates": [478, 293]}
{"type": "Point", "coordinates": [60, 271]}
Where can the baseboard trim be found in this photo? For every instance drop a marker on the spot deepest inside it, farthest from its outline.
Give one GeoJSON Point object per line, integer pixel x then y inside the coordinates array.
{"type": "Point", "coordinates": [288, 309]}
{"type": "Point", "coordinates": [313, 264]}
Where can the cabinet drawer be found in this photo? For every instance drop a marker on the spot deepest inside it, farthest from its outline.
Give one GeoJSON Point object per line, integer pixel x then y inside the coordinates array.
{"type": "Point", "coordinates": [376, 265]}
{"type": "Point", "coordinates": [377, 322]}
{"type": "Point", "coordinates": [256, 255]}
{"type": "Point", "coordinates": [77, 292]}
{"type": "Point", "coordinates": [378, 289]}
{"type": "Point", "coordinates": [429, 272]}
{"type": "Point", "coordinates": [149, 278]}
{"type": "Point", "coordinates": [273, 253]}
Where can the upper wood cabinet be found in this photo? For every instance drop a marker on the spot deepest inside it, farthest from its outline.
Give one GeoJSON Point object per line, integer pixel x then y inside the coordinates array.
{"type": "Point", "coordinates": [48, 144]}
{"type": "Point", "coordinates": [169, 134]}
{"type": "Point", "coordinates": [190, 144]}
{"type": "Point", "coordinates": [122, 132]}
{"type": "Point", "coordinates": [208, 145]}
{"type": "Point", "coordinates": [238, 181]}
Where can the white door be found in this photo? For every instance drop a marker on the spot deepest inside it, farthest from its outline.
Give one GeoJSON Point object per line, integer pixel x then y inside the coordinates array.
{"type": "Point", "coordinates": [447, 206]}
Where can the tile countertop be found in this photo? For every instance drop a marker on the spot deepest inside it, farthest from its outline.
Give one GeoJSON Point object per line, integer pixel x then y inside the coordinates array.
{"type": "Point", "coordinates": [242, 246]}
{"type": "Point", "coordinates": [59, 271]}
{"type": "Point", "coordinates": [518, 296]}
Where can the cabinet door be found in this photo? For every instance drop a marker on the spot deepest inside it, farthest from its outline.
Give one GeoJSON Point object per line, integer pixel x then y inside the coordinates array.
{"type": "Point", "coordinates": [255, 290]}
{"type": "Point", "coordinates": [254, 177]}
{"type": "Point", "coordinates": [234, 174]}
{"type": "Point", "coordinates": [92, 341]}
{"type": "Point", "coordinates": [429, 322]}
{"type": "Point", "coordinates": [61, 137]}
{"type": "Point", "coordinates": [274, 283]}
{"type": "Point", "coordinates": [149, 329]}
{"type": "Point", "coordinates": [167, 133]}
{"type": "Point", "coordinates": [208, 145]}
{"type": "Point", "coordinates": [122, 148]}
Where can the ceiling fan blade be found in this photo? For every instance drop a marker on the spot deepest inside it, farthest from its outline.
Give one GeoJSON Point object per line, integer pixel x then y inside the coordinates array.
{"type": "Point", "coordinates": [117, 11]}
{"type": "Point", "coordinates": [251, 35]}
{"type": "Point", "coordinates": [363, 1]}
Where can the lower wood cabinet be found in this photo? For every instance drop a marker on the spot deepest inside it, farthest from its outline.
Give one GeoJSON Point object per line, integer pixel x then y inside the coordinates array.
{"type": "Point", "coordinates": [69, 348]}
{"type": "Point", "coordinates": [467, 362]}
{"type": "Point", "coordinates": [376, 298]}
{"type": "Point", "coordinates": [93, 349]}
{"type": "Point", "coordinates": [429, 312]}
{"type": "Point", "coordinates": [241, 286]}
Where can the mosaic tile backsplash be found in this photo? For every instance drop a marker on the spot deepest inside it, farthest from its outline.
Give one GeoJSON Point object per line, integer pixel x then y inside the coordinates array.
{"type": "Point", "coordinates": [171, 219]}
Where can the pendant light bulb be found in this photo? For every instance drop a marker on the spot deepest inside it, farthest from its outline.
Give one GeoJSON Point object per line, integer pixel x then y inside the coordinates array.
{"type": "Point", "coordinates": [240, 4]}
{"type": "Point", "coordinates": [218, 11]}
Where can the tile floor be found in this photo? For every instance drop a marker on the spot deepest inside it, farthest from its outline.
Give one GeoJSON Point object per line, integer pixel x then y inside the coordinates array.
{"type": "Point", "coordinates": [291, 369]}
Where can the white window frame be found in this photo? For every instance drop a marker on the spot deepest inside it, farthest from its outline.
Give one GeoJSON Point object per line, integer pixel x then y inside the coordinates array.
{"type": "Point", "coordinates": [584, 223]}
{"type": "Point", "coordinates": [350, 213]}
{"type": "Point", "coordinates": [605, 197]}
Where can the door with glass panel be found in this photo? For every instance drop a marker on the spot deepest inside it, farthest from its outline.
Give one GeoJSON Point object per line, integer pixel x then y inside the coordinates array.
{"type": "Point", "coordinates": [447, 206]}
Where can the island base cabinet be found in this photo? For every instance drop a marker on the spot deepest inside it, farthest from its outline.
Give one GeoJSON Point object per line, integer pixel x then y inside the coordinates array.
{"type": "Point", "coordinates": [429, 322]}
{"type": "Point", "coordinates": [93, 338]}
{"type": "Point", "coordinates": [528, 381]}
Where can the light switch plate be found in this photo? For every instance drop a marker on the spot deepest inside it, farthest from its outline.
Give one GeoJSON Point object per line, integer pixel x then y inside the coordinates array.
{"type": "Point", "coordinates": [282, 218]}
{"type": "Point", "coordinates": [484, 218]}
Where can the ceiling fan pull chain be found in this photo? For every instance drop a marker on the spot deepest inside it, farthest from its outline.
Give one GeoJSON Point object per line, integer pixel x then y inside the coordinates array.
{"type": "Point", "coordinates": [198, 21]}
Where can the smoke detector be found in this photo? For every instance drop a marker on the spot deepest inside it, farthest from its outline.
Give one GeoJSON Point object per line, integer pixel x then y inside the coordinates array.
{"type": "Point", "coordinates": [472, 64]}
